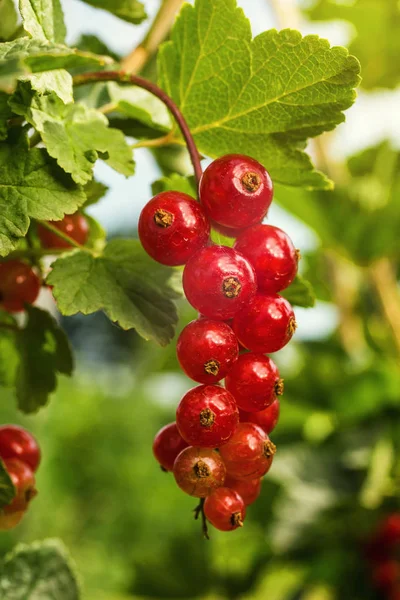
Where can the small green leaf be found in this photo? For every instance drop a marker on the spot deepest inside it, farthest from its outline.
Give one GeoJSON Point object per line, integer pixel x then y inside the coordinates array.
{"type": "Point", "coordinates": [58, 81]}
{"type": "Point", "coordinates": [7, 489]}
{"type": "Point", "coordinates": [262, 97]}
{"type": "Point", "coordinates": [32, 186]}
{"type": "Point", "coordinates": [5, 114]}
{"type": "Point", "coordinates": [74, 134]}
{"type": "Point", "coordinates": [42, 570]}
{"type": "Point", "coordinates": [91, 43]}
{"type": "Point", "coordinates": [132, 289]}
{"type": "Point", "coordinates": [44, 351]}
{"type": "Point", "coordinates": [130, 10]}
{"type": "Point", "coordinates": [94, 190]}
{"type": "Point", "coordinates": [43, 19]}
{"type": "Point", "coordinates": [97, 235]}
{"type": "Point", "coordinates": [300, 293]}
{"type": "Point", "coordinates": [8, 19]}
{"type": "Point", "coordinates": [140, 105]}
{"type": "Point", "coordinates": [175, 182]}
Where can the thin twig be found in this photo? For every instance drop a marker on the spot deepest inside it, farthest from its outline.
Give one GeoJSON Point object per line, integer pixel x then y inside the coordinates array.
{"type": "Point", "coordinates": [159, 30]}
{"type": "Point", "coordinates": [199, 510]}
{"type": "Point", "coordinates": [384, 279]}
{"type": "Point", "coordinates": [125, 78]}
{"type": "Point", "coordinates": [154, 143]}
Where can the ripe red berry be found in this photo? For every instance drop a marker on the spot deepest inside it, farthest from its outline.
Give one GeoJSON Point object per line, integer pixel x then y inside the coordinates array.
{"type": "Point", "coordinates": [218, 282]}
{"type": "Point", "coordinates": [16, 442]}
{"type": "Point", "coordinates": [249, 452]}
{"type": "Point", "coordinates": [389, 530]}
{"type": "Point", "coordinates": [172, 226]}
{"type": "Point", "coordinates": [386, 575]}
{"type": "Point", "coordinates": [266, 324]}
{"type": "Point", "coordinates": [248, 489]}
{"type": "Point", "coordinates": [267, 419]}
{"type": "Point", "coordinates": [167, 444]}
{"type": "Point", "coordinates": [236, 191]}
{"type": "Point", "coordinates": [272, 255]}
{"type": "Point", "coordinates": [24, 482]}
{"type": "Point", "coordinates": [225, 509]}
{"type": "Point", "coordinates": [19, 285]}
{"type": "Point", "coordinates": [254, 382]}
{"type": "Point", "coordinates": [199, 471]}
{"type": "Point", "coordinates": [207, 416]}
{"type": "Point", "coordinates": [75, 226]}
{"type": "Point", "coordinates": [206, 350]}
{"type": "Point", "coordinates": [11, 520]}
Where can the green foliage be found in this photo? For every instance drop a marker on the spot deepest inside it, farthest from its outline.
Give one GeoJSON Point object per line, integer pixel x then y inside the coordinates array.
{"type": "Point", "coordinates": [39, 570]}
{"type": "Point", "coordinates": [132, 11]}
{"type": "Point", "coordinates": [8, 19]}
{"type": "Point", "coordinates": [43, 19]}
{"type": "Point", "coordinates": [262, 97]}
{"type": "Point", "coordinates": [7, 489]}
{"type": "Point", "coordinates": [32, 187]}
{"type": "Point", "coordinates": [300, 293]}
{"type": "Point", "coordinates": [130, 287]}
{"type": "Point", "coordinates": [375, 41]}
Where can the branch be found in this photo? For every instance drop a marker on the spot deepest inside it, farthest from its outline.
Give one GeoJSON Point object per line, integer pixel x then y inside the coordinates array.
{"type": "Point", "coordinates": [384, 279]}
{"type": "Point", "coordinates": [123, 77]}
{"type": "Point", "coordinates": [199, 510]}
{"type": "Point", "coordinates": [157, 33]}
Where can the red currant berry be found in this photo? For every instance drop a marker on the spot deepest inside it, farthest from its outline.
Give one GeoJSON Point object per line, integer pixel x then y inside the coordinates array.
{"type": "Point", "coordinates": [266, 324]}
{"type": "Point", "coordinates": [389, 531]}
{"type": "Point", "coordinates": [218, 282]}
{"type": "Point", "coordinates": [167, 444]}
{"type": "Point", "coordinates": [248, 489]}
{"type": "Point", "coordinates": [207, 416]}
{"type": "Point", "coordinates": [225, 509]}
{"type": "Point", "coordinates": [206, 350]}
{"type": "Point", "coordinates": [199, 471]}
{"type": "Point", "coordinates": [19, 285]}
{"type": "Point", "coordinates": [272, 254]}
{"type": "Point", "coordinates": [16, 442]}
{"type": "Point", "coordinates": [254, 382]}
{"type": "Point", "coordinates": [236, 191]}
{"type": "Point", "coordinates": [172, 226]}
{"type": "Point", "coordinates": [267, 419]}
{"type": "Point", "coordinates": [75, 226]}
{"type": "Point", "coordinates": [249, 452]}
{"type": "Point", "coordinates": [24, 482]}
{"type": "Point", "coordinates": [386, 575]}
{"type": "Point", "coordinates": [9, 521]}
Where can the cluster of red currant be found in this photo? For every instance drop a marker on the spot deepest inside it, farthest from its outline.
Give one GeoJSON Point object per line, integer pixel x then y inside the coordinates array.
{"type": "Point", "coordinates": [19, 282]}
{"type": "Point", "coordinates": [383, 554]}
{"type": "Point", "coordinates": [20, 454]}
{"type": "Point", "coordinates": [219, 447]}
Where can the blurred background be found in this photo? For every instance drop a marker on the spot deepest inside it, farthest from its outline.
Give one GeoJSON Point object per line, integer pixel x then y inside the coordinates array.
{"type": "Point", "coordinates": [337, 472]}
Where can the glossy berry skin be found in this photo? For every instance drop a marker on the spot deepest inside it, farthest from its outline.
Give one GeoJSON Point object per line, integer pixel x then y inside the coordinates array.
{"type": "Point", "coordinates": [16, 442]}
{"type": "Point", "coordinates": [199, 471]}
{"type": "Point", "coordinates": [267, 419]}
{"type": "Point", "coordinates": [266, 324]}
{"type": "Point", "coordinates": [24, 481]}
{"type": "Point", "coordinates": [236, 191]}
{"type": "Point", "coordinates": [11, 520]}
{"type": "Point", "coordinates": [168, 443]}
{"type": "Point", "coordinates": [248, 489]}
{"type": "Point", "coordinates": [254, 382]}
{"type": "Point", "coordinates": [206, 350]}
{"type": "Point", "coordinates": [75, 226]}
{"type": "Point", "coordinates": [249, 452]}
{"type": "Point", "coordinates": [19, 285]}
{"type": "Point", "coordinates": [172, 227]}
{"type": "Point", "coordinates": [219, 282]}
{"type": "Point", "coordinates": [207, 416]}
{"type": "Point", "coordinates": [225, 509]}
{"type": "Point", "coordinates": [272, 255]}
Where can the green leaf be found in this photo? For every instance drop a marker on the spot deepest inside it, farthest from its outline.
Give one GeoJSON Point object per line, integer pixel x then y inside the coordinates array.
{"type": "Point", "coordinates": [132, 11]}
{"type": "Point", "coordinates": [97, 235]}
{"type": "Point", "coordinates": [300, 293]}
{"type": "Point", "coordinates": [58, 81]}
{"type": "Point", "coordinates": [43, 19]}
{"type": "Point", "coordinates": [7, 489]}
{"type": "Point", "coordinates": [5, 114]}
{"type": "Point", "coordinates": [44, 352]}
{"type": "Point", "coordinates": [175, 182]}
{"type": "Point", "coordinates": [25, 55]}
{"type": "Point", "coordinates": [94, 190]}
{"type": "Point", "coordinates": [376, 26]}
{"type": "Point", "coordinates": [32, 186]}
{"type": "Point", "coordinates": [8, 352]}
{"type": "Point", "coordinates": [91, 43]}
{"type": "Point", "coordinates": [8, 19]}
{"type": "Point", "coordinates": [132, 289]}
{"type": "Point", "coordinates": [140, 105]}
{"type": "Point", "coordinates": [38, 571]}
{"type": "Point", "coordinates": [74, 134]}
{"type": "Point", "coordinates": [262, 97]}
